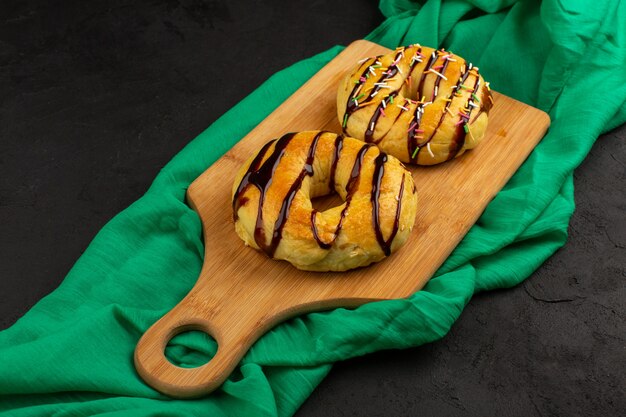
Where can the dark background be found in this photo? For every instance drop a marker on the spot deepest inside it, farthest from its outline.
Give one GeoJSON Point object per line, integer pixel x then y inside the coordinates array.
{"type": "Point", "coordinates": [95, 98]}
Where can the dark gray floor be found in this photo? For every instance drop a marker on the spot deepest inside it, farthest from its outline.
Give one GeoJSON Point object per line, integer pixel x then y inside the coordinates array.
{"type": "Point", "coordinates": [96, 98]}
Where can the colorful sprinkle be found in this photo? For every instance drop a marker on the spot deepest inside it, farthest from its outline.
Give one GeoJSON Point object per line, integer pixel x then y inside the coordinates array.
{"type": "Point", "coordinates": [429, 150]}
{"type": "Point", "coordinates": [438, 74]}
{"type": "Point", "coordinates": [345, 120]}
{"type": "Point", "coordinates": [365, 104]}
{"type": "Point", "coordinates": [467, 130]}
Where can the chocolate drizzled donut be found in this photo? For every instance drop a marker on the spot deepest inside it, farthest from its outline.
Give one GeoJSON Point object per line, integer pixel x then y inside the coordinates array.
{"type": "Point", "coordinates": [421, 105]}
{"type": "Point", "coordinates": [273, 211]}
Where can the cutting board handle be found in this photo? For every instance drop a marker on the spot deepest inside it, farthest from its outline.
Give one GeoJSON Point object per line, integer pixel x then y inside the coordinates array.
{"type": "Point", "coordinates": [158, 372]}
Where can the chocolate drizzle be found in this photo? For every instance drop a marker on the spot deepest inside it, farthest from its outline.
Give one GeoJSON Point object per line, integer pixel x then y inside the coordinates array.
{"type": "Point", "coordinates": [351, 187]}
{"type": "Point", "coordinates": [352, 105]}
{"type": "Point", "coordinates": [260, 175]}
{"type": "Point", "coordinates": [333, 167]}
{"type": "Point", "coordinates": [429, 65]}
{"type": "Point", "coordinates": [414, 62]}
{"type": "Point", "coordinates": [283, 214]}
{"type": "Point", "coordinates": [412, 149]}
{"type": "Point", "coordinates": [371, 126]}
{"type": "Point", "coordinates": [460, 136]}
{"type": "Point", "coordinates": [438, 80]}
{"type": "Point", "coordinates": [379, 171]}
{"type": "Point", "coordinates": [245, 181]}
{"type": "Point", "coordinates": [331, 185]}
{"type": "Point", "coordinates": [316, 236]}
{"type": "Point", "coordinates": [412, 141]}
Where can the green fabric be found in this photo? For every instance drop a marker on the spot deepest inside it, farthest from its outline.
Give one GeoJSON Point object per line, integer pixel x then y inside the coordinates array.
{"type": "Point", "coordinates": [71, 354]}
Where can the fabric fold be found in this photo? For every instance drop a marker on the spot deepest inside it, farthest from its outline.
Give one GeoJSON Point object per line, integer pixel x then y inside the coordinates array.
{"type": "Point", "coordinates": [71, 354]}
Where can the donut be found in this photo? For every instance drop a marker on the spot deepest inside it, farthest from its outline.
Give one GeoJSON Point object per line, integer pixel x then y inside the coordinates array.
{"type": "Point", "coordinates": [273, 212]}
{"type": "Point", "coordinates": [421, 105]}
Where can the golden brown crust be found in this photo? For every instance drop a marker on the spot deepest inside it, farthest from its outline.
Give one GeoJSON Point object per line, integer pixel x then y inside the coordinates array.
{"type": "Point", "coordinates": [418, 104]}
{"type": "Point", "coordinates": [285, 174]}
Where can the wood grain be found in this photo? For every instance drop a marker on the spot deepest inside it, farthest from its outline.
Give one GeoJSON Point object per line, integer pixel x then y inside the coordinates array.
{"type": "Point", "coordinates": [241, 294]}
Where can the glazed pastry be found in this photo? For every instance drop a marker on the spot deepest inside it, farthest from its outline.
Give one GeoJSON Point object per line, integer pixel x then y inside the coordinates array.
{"type": "Point", "coordinates": [421, 105]}
{"type": "Point", "coordinates": [273, 212]}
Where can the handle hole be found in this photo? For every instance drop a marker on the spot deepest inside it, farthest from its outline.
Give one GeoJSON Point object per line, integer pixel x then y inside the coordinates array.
{"type": "Point", "coordinates": [190, 349]}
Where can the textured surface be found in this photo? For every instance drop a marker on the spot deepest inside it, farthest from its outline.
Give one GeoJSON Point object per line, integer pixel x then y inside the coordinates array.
{"type": "Point", "coordinates": [553, 346]}
{"type": "Point", "coordinates": [427, 83]}
{"type": "Point", "coordinates": [87, 117]}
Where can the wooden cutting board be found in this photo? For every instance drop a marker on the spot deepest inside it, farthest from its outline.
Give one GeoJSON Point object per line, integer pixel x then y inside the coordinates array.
{"type": "Point", "coordinates": [241, 294]}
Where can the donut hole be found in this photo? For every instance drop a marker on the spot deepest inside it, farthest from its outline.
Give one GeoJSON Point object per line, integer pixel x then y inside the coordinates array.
{"type": "Point", "coordinates": [326, 202]}
{"type": "Point", "coordinates": [410, 92]}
